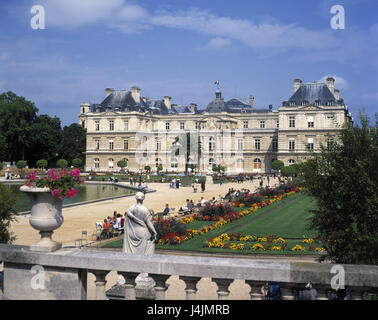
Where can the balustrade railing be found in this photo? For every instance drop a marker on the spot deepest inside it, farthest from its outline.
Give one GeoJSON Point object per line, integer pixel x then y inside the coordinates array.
{"type": "Point", "coordinates": [68, 268]}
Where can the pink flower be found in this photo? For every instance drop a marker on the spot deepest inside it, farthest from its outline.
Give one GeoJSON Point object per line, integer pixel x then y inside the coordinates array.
{"type": "Point", "coordinates": [71, 193]}
{"type": "Point", "coordinates": [56, 193]}
{"type": "Point", "coordinates": [28, 184]}
{"type": "Point", "coordinates": [75, 173]}
{"type": "Point", "coordinates": [32, 176]}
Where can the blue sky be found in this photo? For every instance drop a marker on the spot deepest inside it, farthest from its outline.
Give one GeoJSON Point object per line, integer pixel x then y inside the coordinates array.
{"type": "Point", "coordinates": [179, 48]}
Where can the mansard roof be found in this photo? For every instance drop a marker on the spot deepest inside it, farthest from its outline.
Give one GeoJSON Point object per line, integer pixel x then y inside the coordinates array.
{"type": "Point", "coordinates": [312, 93]}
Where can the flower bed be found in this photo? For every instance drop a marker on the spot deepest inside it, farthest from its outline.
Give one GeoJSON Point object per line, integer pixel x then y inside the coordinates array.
{"type": "Point", "coordinates": [219, 214]}
{"type": "Point", "coordinates": [255, 243]}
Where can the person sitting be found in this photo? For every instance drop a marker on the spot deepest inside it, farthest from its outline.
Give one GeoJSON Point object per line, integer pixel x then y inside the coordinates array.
{"type": "Point", "coordinates": [191, 205]}
{"type": "Point", "coordinates": [203, 202]}
{"type": "Point", "coordinates": [213, 201]}
{"type": "Point", "coordinates": [106, 228]}
{"type": "Point", "coordinates": [166, 210]}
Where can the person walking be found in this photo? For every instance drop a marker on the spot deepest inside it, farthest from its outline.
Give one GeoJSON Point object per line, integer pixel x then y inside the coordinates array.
{"type": "Point", "coordinates": [203, 187]}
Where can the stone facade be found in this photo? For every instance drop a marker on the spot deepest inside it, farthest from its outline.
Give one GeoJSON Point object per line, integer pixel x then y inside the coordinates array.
{"type": "Point", "coordinates": [232, 133]}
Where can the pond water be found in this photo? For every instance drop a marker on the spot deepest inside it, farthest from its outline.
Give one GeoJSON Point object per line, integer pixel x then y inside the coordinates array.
{"type": "Point", "coordinates": [87, 192]}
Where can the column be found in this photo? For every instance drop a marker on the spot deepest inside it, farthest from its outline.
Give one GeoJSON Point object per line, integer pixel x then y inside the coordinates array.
{"type": "Point", "coordinates": [161, 286]}
{"type": "Point", "coordinates": [129, 284]}
{"type": "Point", "coordinates": [191, 286]}
{"type": "Point", "coordinates": [223, 285]}
{"type": "Point", "coordinates": [255, 293]}
{"type": "Point", "coordinates": [100, 283]}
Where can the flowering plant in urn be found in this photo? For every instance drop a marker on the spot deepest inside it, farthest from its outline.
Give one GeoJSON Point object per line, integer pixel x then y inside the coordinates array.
{"type": "Point", "coordinates": [62, 182]}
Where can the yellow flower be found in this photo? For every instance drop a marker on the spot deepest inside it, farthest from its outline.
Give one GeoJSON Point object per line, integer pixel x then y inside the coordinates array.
{"type": "Point", "coordinates": [258, 246]}
{"type": "Point", "coordinates": [298, 248]}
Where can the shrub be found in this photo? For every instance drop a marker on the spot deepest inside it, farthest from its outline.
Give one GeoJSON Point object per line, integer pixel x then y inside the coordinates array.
{"type": "Point", "coordinates": [214, 212]}
{"type": "Point", "coordinates": [62, 163]}
{"type": "Point", "coordinates": [277, 165]}
{"type": "Point", "coordinates": [7, 203]}
{"type": "Point", "coordinates": [77, 162]}
{"type": "Point", "coordinates": [21, 164]}
{"type": "Point", "coordinates": [42, 163]}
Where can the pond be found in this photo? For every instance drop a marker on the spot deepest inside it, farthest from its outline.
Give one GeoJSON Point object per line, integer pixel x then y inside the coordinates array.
{"type": "Point", "coordinates": [87, 192]}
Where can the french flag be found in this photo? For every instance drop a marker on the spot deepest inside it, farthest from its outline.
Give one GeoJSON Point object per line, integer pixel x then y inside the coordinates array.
{"type": "Point", "coordinates": [216, 83]}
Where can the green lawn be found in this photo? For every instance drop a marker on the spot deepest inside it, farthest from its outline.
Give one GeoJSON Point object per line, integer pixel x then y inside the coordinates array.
{"type": "Point", "coordinates": [287, 218]}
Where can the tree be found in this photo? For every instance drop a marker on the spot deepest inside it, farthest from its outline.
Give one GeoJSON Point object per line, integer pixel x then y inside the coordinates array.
{"type": "Point", "coordinates": [1, 166]}
{"type": "Point", "coordinates": [7, 203]}
{"type": "Point", "coordinates": [343, 178]}
{"type": "Point", "coordinates": [77, 162]}
{"type": "Point", "coordinates": [277, 165]}
{"type": "Point", "coordinates": [122, 164]}
{"type": "Point", "coordinates": [73, 142]}
{"type": "Point", "coordinates": [45, 140]}
{"type": "Point", "coordinates": [147, 168]}
{"type": "Point", "coordinates": [42, 163]}
{"type": "Point", "coordinates": [159, 168]}
{"type": "Point", "coordinates": [16, 118]}
{"type": "Point", "coordinates": [21, 164]}
{"type": "Point", "coordinates": [189, 145]}
{"type": "Point", "coordinates": [62, 163]}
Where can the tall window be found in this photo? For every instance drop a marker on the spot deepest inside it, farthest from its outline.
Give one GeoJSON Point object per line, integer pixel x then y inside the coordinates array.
{"type": "Point", "coordinates": [182, 125]}
{"type": "Point", "coordinates": [257, 164]}
{"type": "Point", "coordinates": [211, 144]}
{"type": "Point", "coordinates": [240, 144]}
{"type": "Point", "coordinates": [310, 144]}
{"type": "Point", "coordinates": [291, 122]}
{"type": "Point", "coordinates": [97, 144]}
{"type": "Point", "coordinates": [240, 164]}
{"type": "Point", "coordinates": [97, 125]}
{"type": "Point", "coordinates": [111, 125]}
{"type": "Point", "coordinates": [198, 125]}
{"type": "Point", "coordinates": [174, 163]}
{"type": "Point", "coordinates": [167, 125]}
{"type": "Point", "coordinates": [245, 124]}
{"type": "Point", "coordinates": [126, 125]}
{"type": "Point", "coordinates": [97, 163]}
{"type": "Point", "coordinates": [211, 162]}
{"type": "Point", "coordinates": [310, 121]}
{"type": "Point", "coordinates": [262, 124]}
{"type": "Point", "coordinates": [111, 145]}
{"type": "Point", "coordinates": [158, 145]}
{"type": "Point", "coordinates": [111, 163]}
{"type": "Point", "coordinates": [277, 123]}
{"type": "Point", "coordinates": [126, 144]}
{"type": "Point", "coordinates": [257, 144]}
{"type": "Point", "coordinates": [291, 144]}
{"type": "Point", "coordinates": [275, 144]}
{"type": "Point", "coordinates": [329, 142]}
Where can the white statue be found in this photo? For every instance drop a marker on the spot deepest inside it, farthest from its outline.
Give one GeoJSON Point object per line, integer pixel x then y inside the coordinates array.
{"type": "Point", "coordinates": [140, 234]}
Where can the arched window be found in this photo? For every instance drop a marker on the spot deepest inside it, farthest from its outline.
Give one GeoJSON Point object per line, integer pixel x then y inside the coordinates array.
{"type": "Point", "coordinates": [257, 164]}
{"type": "Point", "coordinates": [97, 163]}
{"type": "Point", "coordinates": [111, 163]}
{"type": "Point", "coordinates": [211, 162]}
{"type": "Point", "coordinates": [291, 161]}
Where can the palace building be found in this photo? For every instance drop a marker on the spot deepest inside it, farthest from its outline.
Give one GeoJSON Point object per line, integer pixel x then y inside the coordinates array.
{"type": "Point", "coordinates": [232, 133]}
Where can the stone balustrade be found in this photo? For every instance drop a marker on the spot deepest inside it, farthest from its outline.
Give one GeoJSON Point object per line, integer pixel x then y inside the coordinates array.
{"type": "Point", "coordinates": [64, 274]}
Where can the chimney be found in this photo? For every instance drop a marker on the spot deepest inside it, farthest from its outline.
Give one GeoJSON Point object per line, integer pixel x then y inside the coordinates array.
{"type": "Point", "coordinates": [135, 93]}
{"type": "Point", "coordinates": [193, 107]}
{"type": "Point", "coordinates": [167, 102]}
{"type": "Point", "coordinates": [252, 101]}
{"type": "Point", "coordinates": [109, 91]}
{"type": "Point", "coordinates": [297, 84]}
{"type": "Point", "coordinates": [85, 107]}
{"type": "Point", "coordinates": [336, 93]}
{"type": "Point", "coordinates": [144, 99]}
{"type": "Point", "coordinates": [331, 84]}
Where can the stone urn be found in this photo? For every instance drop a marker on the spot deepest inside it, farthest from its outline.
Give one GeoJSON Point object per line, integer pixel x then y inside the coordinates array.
{"type": "Point", "coordinates": [46, 216]}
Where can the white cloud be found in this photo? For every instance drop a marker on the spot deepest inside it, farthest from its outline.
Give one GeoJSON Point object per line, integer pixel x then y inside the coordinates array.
{"type": "Point", "coordinates": [218, 43]}
{"type": "Point", "coordinates": [340, 83]}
